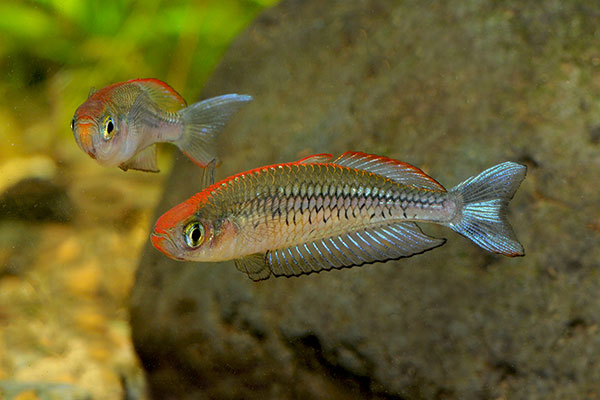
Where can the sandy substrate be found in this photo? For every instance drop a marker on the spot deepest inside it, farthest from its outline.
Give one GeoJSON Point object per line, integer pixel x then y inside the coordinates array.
{"type": "Point", "coordinates": [64, 286]}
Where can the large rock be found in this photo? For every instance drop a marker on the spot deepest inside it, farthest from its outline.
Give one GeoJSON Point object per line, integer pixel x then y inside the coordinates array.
{"type": "Point", "coordinates": [452, 87]}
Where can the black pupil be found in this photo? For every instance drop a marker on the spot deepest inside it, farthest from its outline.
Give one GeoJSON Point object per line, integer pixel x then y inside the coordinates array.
{"type": "Point", "coordinates": [195, 234]}
{"type": "Point", "coordinates": [109, 126]}
{"type": "Point", "coordinates": [72, 123]}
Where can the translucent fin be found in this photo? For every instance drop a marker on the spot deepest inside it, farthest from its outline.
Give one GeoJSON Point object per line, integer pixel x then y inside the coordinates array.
{"type": "Point", "coordinates": [254, 265]}
{"type": "Point", "coordinates": [203, 121]}
{"type": "Point", "coordinates": [208, 177]}
{"type": "Point", "coordinates": [163, 95]}
{"type": "Point", "coordinates": [145, 160]}
{"type": "Point", "coordinates": [393, 169]}
{"type": "Point", "coordinates": [355, 248]}
{"type": "Point", "coordinates": [484, 199]}
{"type": "Point", "coordinates": [92, 91]}
{"type": "Point", "coordinates": [315, 158]}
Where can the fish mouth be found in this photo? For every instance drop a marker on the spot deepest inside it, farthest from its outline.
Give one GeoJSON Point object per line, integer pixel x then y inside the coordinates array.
{"type": "Point", "coordinates": [161, 242]}
{"type": "Point", "coordinates": [157, 239]}
{"type": "Point", "coordinates": [83, 136]}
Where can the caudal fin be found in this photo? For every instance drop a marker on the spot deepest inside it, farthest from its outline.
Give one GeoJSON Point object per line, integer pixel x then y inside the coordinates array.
{"type": "Point", "coordinates": [203, 121]}
{"type": "Point", "coordinates": [484, 199]}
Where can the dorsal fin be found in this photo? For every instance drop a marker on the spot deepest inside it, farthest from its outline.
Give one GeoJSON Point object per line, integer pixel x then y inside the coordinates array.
{"type": "Point", "coordinates": [315, 158]}
{"type": "Point", "coordinates": [395, 170]}
{"type": "Point", "coordinates": [162, 94]}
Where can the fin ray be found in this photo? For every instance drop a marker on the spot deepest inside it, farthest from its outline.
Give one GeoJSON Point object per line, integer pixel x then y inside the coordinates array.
{"type": "Point", "coordinates": [254, 266]}
{"type": "Point", "coordinates": [484, 199]}
{"type": "Point", "coordinates": [161, 94]}
{"type": "Point", "coordinates": [315, 158]}
{"type": "Point", "coordinates": [144, 160]}
{"type": "Point", "coordinates": [393, 169]}
{"type": "Point", "coordinates": [208, 177]}
{"type": "Point", "coordinates": [351, 249]}
{"type": "Point", "coordinates": [203, 121]}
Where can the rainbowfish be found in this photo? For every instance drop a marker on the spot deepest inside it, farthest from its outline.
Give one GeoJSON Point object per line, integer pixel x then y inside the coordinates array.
{"type": "Point", "coordinates": [315, 214]}
{"type": "Point", "coordinates": [120, 124]}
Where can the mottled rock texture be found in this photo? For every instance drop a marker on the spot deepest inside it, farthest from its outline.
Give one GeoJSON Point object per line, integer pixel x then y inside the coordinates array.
{"type": "Point", "coordinates": [452, 87]}
{"type": "Point", "coordinates": [36, 200]}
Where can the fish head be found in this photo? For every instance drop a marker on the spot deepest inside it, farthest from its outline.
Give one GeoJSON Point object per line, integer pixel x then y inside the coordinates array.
{"type": "Point", "coordinates": [101, 131]}
{"type": "Point", "coordinates": [190, 232]}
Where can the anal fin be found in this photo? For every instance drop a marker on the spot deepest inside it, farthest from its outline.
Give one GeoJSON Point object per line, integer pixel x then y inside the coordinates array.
{"type": "Point", "coordinates": [368, 245]}
{"type": "Point", "coordinates": [144, 160]}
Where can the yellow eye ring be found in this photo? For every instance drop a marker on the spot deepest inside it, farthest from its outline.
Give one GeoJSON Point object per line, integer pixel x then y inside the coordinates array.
{"type": "Point", "coordinates": [193, 233]}
{"type": "Point", "coordinates": [109, 128]}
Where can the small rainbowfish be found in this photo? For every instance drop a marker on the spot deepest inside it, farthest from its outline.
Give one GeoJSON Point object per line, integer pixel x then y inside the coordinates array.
{"type": "Point", "coordinates": [120, 124]}
{"type": "Point", "coordinates": [316, 214]}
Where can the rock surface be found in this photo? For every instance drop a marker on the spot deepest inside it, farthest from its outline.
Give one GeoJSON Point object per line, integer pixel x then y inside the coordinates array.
{"type": "Point", "coordinates": [452, 87]}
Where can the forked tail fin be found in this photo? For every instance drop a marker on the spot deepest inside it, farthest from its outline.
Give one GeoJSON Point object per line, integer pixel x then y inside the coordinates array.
{"type": "Point", "coordinates": [203, 121]}
{"type": "Point", "coordinates": [482, 215]}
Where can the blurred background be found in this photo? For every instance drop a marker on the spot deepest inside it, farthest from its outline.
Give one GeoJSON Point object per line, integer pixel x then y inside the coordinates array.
{"type": "Point", "coordinates": [70, 230]}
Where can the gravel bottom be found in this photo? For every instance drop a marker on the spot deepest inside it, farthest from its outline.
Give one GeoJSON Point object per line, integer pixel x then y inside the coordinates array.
{"type": "Point", "coordinates": [64, 288]}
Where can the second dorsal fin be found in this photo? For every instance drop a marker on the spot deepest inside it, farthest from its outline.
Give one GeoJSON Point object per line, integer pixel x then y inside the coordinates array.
{"type": "Point", "coordinates": [395, 170]}
{"type": "Point", "coordinates": [162, 94]}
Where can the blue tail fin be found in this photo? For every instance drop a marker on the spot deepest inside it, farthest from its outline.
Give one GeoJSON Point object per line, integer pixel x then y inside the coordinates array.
{"type": "Point", "coordinates": [483, 200]}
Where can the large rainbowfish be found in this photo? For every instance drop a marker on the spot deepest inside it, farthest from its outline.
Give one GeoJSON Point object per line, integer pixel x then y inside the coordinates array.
{"type": "Point", "coordinates": [316, 214]}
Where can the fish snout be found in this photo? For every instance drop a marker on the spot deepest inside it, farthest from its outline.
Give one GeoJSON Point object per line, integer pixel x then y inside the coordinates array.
{"type": "Point", "coordinates": [162, 242]}
{"type": "Point", "coordinates": [86, 142]}
{"type": "Point", "coordinates": [157, 240]}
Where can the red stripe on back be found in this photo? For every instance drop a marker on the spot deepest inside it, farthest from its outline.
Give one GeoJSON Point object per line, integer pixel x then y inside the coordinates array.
{"type": "Point", "coordinates": [202, 196]}
{"type": "Point", "coordinates": [104, 93]}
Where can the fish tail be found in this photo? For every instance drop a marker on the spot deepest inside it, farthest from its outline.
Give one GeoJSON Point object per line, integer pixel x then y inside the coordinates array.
{"type": "Point", "coordinates": [203, 121]}
{"type": "Point", "coordinates": [482, 202]}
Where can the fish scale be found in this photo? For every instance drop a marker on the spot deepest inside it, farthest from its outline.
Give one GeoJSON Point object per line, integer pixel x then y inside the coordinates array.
{"type": "Point", "coordinates": [284, 199]}
{"type": "Point", "coordinates": [315, 214]}
{"type": "Point", "coordinates": [120, 125]}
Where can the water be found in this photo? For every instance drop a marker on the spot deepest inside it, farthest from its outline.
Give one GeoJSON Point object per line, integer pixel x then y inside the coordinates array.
{"type": "Point", "coordinates": [71, 231]}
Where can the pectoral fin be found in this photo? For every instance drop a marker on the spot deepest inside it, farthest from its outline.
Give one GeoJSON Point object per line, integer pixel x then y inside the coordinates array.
{"type": "Point", "coordinates": [145, 160]}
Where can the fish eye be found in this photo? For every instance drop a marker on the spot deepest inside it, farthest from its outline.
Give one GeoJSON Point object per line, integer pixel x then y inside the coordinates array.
{"type": "Point", "coordinates": [109, 128]}
{"type": "Point", "coordinates": [73, 123]}
{"type": "Point", "coordinates": [193, 234]}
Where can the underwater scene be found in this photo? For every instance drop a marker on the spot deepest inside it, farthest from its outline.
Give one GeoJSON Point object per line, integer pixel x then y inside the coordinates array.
{"type": "Point", "coordinates": [261, 199]}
